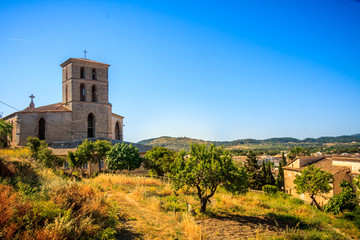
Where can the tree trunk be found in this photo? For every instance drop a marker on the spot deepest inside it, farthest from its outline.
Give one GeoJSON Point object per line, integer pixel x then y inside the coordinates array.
{"type": "Point", "coordinates": [315, 202]}
{"type": "Point", "coordinates": [203, 201]}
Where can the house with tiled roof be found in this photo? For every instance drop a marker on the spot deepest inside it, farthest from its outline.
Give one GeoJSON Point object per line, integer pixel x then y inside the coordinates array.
{"type": "Point", "coordinates": [341, 167]}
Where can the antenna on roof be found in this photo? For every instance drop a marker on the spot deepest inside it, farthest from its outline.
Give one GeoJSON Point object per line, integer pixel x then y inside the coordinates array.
{"type": "Point", "coordinates": [85, 53]}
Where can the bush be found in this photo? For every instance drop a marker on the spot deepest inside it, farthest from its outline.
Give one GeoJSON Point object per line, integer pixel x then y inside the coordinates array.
{"type": "Point", "coordinates": [270, 189]}
{"type": "Point", "coordinates": [346, 200]}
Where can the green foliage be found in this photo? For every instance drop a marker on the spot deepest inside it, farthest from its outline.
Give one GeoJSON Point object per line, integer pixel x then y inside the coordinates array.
{"type": "Point", "coordinates": [255, 176]}
{"type": "Point", "coordinates": [89, 151]}
{"type": "Point", "coordinates": [159, 159]}
{"type": "Point", "coordinates": [346, 200]}
{"type": "Point", "coordinates": [204, 169]}
{"type": "Point", "coordinates": [297, 151]}
{"type": "Point", "coordinates": [123, 156]}
{"type": "Point", "coordinates": [5, 133]}
{"type": "Point", "coordinates": [34, 144]}
{"type": "Point", "coordinates": [314, 181]}
{"type": "Point", "coordinates": [40, 151]}
{"type": "Point", "coordinates": [280, 181]}
{"type": "Point", "coordinates": [270, 189]}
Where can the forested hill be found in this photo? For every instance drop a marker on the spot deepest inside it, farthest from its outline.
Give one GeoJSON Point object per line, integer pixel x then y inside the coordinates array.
{"type": "Point", "coordinates": [285, 142]}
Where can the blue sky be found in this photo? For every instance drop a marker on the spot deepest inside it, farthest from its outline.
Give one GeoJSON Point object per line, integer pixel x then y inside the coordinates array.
{"type": "Point", "coordinates": [214, 70]}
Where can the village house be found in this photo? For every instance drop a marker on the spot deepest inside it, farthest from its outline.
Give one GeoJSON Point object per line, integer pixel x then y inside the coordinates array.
{"type": "Point", "coordinates": [341, 167]}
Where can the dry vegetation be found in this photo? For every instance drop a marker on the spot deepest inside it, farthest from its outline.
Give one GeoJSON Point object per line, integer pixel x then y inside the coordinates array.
{"type": "Point", "coordinates": [37, 203]}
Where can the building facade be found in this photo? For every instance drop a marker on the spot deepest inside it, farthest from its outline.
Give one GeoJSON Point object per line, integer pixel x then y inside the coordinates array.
{"type": "Point", "coordinates": [85, 111]}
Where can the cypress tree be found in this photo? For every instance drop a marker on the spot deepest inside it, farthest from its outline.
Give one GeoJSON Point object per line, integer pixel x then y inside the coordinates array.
{"type": "Point", "coordinates": [280, 181]}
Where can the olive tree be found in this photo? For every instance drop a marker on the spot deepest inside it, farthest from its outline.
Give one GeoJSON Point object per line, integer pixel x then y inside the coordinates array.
{"type": "Point", "coordinates": [314, 181]}
{"type": "Point", "coordinates": [205, 169]}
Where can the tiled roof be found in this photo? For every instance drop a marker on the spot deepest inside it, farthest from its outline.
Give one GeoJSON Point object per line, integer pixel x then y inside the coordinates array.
{"type": "Point", "coordinates": [347, 158]}
{"type": "Point", "coordinates": [57, 107]}
{"type": "Point", "coordinates": [326, 165]}
{"type": "Point", "coordinates": [83, 60]}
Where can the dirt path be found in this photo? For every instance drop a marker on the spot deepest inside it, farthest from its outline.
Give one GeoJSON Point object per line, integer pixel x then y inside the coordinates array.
{"type": "Point", "coordinates": [238, 227]}
{"type": "Point", "coordinates": [144, 223]}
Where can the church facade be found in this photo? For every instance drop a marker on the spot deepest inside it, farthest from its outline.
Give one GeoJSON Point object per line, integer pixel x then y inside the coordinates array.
{"type": "Point", "coordinates": [85, 111]}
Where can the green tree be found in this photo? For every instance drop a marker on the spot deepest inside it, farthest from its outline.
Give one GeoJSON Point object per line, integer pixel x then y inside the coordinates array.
{"type": "Point", "coordinates": [204, 169]}
{"type": "Point", "coordinates": [346, 200]}
{"type": "Point", "coordinates": [89, 151]}
{"type": "Point", "coordinates": [296, 152]}
{"type": "Point", "coordinates": [255, 175]}
{"type": "Point", "coordinates": [5, 133]}
{"type": "Point", "coordinates": [314, 181]}
{"type": "Point", "coordinates": [159, 159]}
{"type": "Point", "coordinates": [280, 181]}
{"type": "Point", "coordinates": [283, 159]}
{"type": "Point", "coordinates": [269, 179]}
{"type": "Point", "coordinates": [40, 152]}
{"type": "Point", "coordinates": [123, 156]}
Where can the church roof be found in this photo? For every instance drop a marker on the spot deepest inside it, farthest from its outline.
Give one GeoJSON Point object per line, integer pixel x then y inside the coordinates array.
{"type": "Point", "coordinates": [57, 107]}
{"type": "Point", "coordinates": [83, 60]}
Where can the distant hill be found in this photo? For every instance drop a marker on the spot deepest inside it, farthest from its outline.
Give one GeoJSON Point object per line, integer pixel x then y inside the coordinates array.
{"type": "Point", "coordinates": [177, 143]}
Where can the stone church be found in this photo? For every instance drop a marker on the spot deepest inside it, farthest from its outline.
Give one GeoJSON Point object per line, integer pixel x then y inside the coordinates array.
{"type": "Point", "coordinates": [85, 111]}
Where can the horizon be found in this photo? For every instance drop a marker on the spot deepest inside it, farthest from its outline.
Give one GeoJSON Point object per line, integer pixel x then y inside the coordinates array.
{"type": "Point", "coordinates": [206, 70]}
{"type": "Point", "coordinates": [301, 139]}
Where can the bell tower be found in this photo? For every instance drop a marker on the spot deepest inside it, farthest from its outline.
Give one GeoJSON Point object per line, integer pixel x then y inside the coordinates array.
{"type": "Point", "coordinates": [85, 91]}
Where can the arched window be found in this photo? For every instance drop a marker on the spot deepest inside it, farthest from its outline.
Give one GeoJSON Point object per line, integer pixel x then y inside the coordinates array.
{"type": "Point", "coordinates": [82, 92]}
{"type": "Point", "coordinates": [66, 73]}
{"type": "Point", "coordinates": [93, 74]}
{"type": "Point", "coordinates": [117, 131]}
{"type": "Point", "coordinates": [93, 93]}
{"type": "Point", "coordinates": [82, 72]}
{"type": "Point", "coordinates": [41, 133]}
{"type": "Point", "coordinates": [91, 126]}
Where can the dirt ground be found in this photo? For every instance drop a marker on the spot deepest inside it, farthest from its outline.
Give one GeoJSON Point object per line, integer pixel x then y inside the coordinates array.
{"type": "Point", "coordinates": [238, 227]}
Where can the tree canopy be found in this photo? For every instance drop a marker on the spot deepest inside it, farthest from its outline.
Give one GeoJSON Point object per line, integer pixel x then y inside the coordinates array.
{"type": "Point", "coordinates": [5, 133]}
{"type": "Point", "coordinates": [314, 181]}
{"type": "Point", "coordinates": [159, 159]}
{"type": "Point", "coordinates": [123, 156]}
{"type": "Point", "coordinates": [204, 169]}
{"type": "Point", "coordinates": [89, 151]}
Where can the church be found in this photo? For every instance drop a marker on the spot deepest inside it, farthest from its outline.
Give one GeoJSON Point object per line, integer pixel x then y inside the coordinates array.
{"type": "Point", "coordinates": [85, 111]}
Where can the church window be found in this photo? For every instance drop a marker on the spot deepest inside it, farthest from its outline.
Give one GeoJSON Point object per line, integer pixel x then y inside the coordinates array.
{"type": "Point", "coordinates": [102, 164]}
{"type": "Point", "coordinates": [91, 126]}
{"type": "Point", "coordinates": [93, 93]}
{"type": "Point", "coordinates": [82, 92]}
{"type": "Point", "coordinates": [93, 74]}
{"type": "Point", "coordinates": [41, 134]}
{"type": "Point", "coordinates": [117, 131]}
{"type": "Point", "coordinates": [66, 73]}
{"type": "Point", "coordinates": [82, 72]}
{"type": "Point", "coordinates": [66, 92]}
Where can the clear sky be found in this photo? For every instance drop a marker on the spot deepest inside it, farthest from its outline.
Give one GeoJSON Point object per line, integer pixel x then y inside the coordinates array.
{"type": "Point", "coordinates": [214, 70]}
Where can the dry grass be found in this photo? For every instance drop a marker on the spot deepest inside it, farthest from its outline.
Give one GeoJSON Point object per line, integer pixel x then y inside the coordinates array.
{"type": "Point", "coordinates": [191, 229]}
{"type": "Point", "coordinates": [15, 153]}
{"type": "Point", "coordinates": [109, 180]}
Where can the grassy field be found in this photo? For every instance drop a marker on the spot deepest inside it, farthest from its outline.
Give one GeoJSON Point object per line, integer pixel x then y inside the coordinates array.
{"type": "Point", "coordinates": [38, 203]}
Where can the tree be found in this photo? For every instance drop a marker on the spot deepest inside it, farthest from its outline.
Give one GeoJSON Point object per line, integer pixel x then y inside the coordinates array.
{"type": "Point", "coordinates": [297, 151]}
{"type": "Point", "coordinates": [89, 151]}
{"type": "Point", "coordinates": [255, 178]}
{"type": "Point", "coordinates": [5, 133]}
{"type": "Point", "coordinates": [314, 181]}
{"type": "Point", "coordinates": [204, 169]}
{"type": "Point", "coordinates": [40, 152]}
{"type": "Point", "coordinates": [346, 200]}
{"type": "Point", "coordinates": [269, 179]}
{"type": "Point", "coordinates": [159, 159]}
{"type": "Point", "coordinates": [280, 181]}
{"type": "Point", "coordinates": [283, 161]}
{"type": "Point", "coordinates": [123, 156]}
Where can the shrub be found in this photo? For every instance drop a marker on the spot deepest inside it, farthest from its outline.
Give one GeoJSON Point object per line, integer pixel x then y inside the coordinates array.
{"type": "Point", "coordinates": [346, 200]}
{"type": "Point", "coordinates": [270, 189]}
